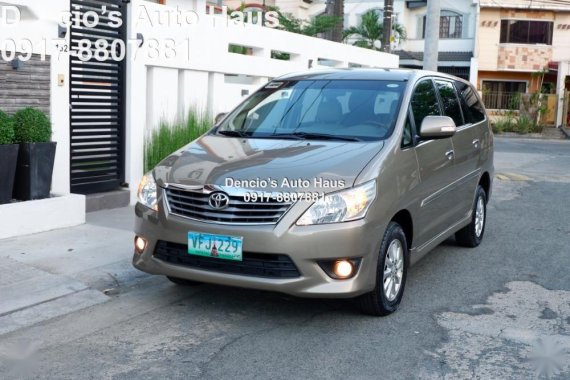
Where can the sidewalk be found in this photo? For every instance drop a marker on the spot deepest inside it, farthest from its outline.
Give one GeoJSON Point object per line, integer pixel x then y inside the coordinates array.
{"type": "Point", "coordinates": [50, 274]}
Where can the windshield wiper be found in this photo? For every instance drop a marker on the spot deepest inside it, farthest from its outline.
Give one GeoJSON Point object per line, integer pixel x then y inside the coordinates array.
{"type": "Point", "coordinates": [315, 136]}
{"type": "Point", "coordinates": [231, 133]}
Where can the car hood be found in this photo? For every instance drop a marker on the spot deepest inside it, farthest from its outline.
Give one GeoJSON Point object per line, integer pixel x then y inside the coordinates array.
{"type": "Point", "coordinates": [222, 161]}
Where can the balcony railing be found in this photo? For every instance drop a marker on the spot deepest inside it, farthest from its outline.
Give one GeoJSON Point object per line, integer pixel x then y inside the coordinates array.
{"type": "Point", "coordinates": [502, 100]}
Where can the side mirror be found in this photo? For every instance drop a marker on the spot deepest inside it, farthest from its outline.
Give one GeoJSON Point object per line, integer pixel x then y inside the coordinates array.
{"type": "Point", "coordinates": [437, 127]}
{"type": "Point", "coordinates": [219, 117]}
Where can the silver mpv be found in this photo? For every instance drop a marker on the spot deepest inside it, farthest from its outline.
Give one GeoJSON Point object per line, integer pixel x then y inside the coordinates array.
{"type": "Point", "coordinates": [322, 184]}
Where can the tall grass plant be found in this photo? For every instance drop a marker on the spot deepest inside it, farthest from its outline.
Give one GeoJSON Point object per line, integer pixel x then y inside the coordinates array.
{"type": "Point", "coordinates": [168, 137]}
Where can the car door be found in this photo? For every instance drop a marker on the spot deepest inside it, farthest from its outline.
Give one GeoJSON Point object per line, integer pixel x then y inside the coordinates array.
{"type": "Point", "coordinates": [435, 161]}
{"type": "Point", "coordinates": [466, 146]}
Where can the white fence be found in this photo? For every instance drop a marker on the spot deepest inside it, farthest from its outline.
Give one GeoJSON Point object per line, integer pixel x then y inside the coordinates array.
{"type": "Point", "coordinates": [203, 75]}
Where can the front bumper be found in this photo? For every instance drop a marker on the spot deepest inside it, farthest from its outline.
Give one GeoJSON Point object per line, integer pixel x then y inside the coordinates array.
{"type": "Point", "coordinates": [305, 245]}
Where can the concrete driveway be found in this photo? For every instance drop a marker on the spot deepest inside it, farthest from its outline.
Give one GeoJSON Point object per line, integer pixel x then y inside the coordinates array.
{"type": "Point", "coordinates": [71, 305]}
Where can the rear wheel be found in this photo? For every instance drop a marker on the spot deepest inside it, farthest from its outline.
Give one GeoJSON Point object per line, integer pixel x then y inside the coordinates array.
{"type": "Point", "coordinates": [181, 281]}
{"type": "Point", "coordinates": [390, 274]}
{"type": "Point", "coordinates": [472, 234]}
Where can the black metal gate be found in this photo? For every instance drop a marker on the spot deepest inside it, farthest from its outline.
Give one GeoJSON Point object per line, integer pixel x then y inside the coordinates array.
{"type": "Point", "coordinates": [97, 95]}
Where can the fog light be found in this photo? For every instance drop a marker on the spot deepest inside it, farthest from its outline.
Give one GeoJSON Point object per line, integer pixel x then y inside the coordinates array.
{"type": "Point", "coordinates": [140, 244]}
{"type": "Point", "coordinates": [343, 268]}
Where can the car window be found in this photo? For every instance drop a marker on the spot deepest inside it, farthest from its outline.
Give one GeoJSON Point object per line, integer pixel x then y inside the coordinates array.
{"type": "Point", "coordinates": [450, 101]}
{"type": "Point", "coordinates": [328, 109]}
{"type": "Point", "coordinates": [470, 104]}
{"type": "Point", "coordinates": [424, 102]}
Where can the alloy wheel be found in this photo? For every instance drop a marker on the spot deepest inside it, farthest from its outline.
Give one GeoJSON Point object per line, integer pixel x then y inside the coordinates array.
{"type": "Point", "coordinates": [393, 270]}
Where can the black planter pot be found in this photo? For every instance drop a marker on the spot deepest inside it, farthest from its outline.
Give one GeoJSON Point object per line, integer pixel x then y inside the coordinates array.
{"type": "Point", "coordinates": [8, 158]}
{"type": "Point", "coordinates": [34, 171]}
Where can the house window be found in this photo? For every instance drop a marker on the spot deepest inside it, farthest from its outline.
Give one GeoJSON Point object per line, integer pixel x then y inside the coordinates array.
{"type": "Point", "coordinates": [450, 25]}
{"type": "Point", "coordinates": [526, 32]}
{"type": "Point", "coordinates": [502, 94]}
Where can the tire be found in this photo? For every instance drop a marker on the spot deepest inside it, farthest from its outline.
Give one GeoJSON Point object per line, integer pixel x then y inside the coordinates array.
{"type": "Point", "coordinates": [182, 282]}
{"type": "Point", "coordinates": [378, 302]}
{"type": "Point", "coordinates": [472, 234]}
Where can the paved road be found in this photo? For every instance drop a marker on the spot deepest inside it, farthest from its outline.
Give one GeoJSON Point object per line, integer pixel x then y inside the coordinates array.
{"type": "Point", "coordinates": [501, 310]}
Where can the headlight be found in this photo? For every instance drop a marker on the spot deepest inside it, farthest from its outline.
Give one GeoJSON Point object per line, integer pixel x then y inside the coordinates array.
{"type": "Point", "coordinates": [147, 192]}
{"type": "Point", "coordinates": [343, 206]}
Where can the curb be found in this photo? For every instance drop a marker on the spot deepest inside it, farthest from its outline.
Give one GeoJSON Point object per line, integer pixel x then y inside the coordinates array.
{"type": "Point", "coordinates": [527, 136]}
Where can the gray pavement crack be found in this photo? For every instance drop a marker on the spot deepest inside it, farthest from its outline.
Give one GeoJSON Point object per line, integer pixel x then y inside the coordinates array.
{"type": "Point", "coordinates": [202, 368]}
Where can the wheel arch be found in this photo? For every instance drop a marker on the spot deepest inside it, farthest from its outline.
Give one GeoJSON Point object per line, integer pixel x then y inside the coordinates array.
{"type": "Point", "coordinates": [485, 183]}
{"type": "Point", "coordinates": [404, 219]}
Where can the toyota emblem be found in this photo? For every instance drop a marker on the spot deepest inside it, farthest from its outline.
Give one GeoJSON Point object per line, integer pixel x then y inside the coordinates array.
{"type": "Point", "coordinates": [219, 201]}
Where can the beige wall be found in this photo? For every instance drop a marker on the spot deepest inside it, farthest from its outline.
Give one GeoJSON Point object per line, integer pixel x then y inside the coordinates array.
{"type": "Point", "coordinates": [527, 14]}
{"type": "Point", "coordinates": [561, 38]}
{"type": "Point", "coordinates": [495, 56]}
{"type": "Point", "coordinates": [489, 33]}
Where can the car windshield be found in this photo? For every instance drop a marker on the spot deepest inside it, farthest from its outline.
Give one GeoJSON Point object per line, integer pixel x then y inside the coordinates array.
{"type": "Point", "coordinates": [348, 110]}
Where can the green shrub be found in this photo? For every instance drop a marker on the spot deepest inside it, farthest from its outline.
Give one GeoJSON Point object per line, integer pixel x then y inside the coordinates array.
{"type": "Point", "coordinates": [31, 126]}
{"type": "Point", "coordinates": [504, 124]}
{"type": "Point", "coordinates": [169, 137]}
{"type": "Point", "coordinates": [524, 125]}
{"type": "Point", "coordinates": [6, 129]}
{"type": "Point", "coordinates": [497, 127]}
{"type": "Point", "coordinates": [537, 128]}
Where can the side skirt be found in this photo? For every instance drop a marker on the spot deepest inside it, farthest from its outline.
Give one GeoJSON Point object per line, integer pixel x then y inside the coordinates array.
{"type": "Point", "coordinates": [419, 252]}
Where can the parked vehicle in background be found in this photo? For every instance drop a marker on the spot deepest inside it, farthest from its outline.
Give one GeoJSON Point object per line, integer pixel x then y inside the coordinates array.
{"type": "Point", "coordinates": [323, 184]}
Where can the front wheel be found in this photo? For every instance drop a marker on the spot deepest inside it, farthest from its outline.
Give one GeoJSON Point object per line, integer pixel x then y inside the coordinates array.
{"type": "Point", "coordinates": [390, 274]}
{"type": "Point", "coordinates": [472, 234]}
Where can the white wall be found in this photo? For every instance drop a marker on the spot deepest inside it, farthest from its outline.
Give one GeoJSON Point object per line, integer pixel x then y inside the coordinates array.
{"type": "Point", "coordinates": [164, 89]}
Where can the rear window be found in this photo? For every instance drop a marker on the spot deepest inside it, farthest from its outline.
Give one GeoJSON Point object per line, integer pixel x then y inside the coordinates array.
{"type": "Point", "coordinates": [363, 110]}
{"type": "Point", "coordinates": [449, 101]}
{"type": "Point", "coordinates": [472, 108]}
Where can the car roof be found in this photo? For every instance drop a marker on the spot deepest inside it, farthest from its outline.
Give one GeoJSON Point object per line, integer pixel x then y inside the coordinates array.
{"type": "Point", "coordinates": [362, 74]}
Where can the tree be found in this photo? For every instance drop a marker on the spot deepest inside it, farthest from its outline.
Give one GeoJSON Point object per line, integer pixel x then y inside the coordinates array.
{"type": "Point", "coordinates": [335, 8]}
{"type": "Point", "coordinates": [371, 29]}
{"type": "Point", "coordinates": [317, 25]}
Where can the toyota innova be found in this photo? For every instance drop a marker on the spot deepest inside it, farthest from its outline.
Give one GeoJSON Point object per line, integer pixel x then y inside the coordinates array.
{"type": "Point", "coordinates": [323, 184]}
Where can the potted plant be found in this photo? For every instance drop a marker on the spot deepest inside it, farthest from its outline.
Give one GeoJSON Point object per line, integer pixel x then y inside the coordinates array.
{"type": "Point", "coordinates": [8, 158]}
{"type": "Point", "coordinates": [32, 129]}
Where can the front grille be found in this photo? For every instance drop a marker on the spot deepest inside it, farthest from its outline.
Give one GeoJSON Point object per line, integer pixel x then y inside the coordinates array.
{"type": "Point", "coordinates": [253, 264]}
{"type": "Point", "coordinates": [194, 205]}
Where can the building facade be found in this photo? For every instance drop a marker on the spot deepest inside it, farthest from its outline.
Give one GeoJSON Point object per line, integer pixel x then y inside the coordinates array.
{"type": "Point", "coordinates": [520, 44]}
{"type": "Point", "coordinates": [457, 27]}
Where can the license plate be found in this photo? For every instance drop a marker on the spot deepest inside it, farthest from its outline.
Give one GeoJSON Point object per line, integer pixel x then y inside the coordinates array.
{"type": "Point", "coordinates": [218, 246]}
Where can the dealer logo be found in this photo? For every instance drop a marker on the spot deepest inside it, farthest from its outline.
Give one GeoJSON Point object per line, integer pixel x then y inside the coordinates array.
{"type": "Point", "coordinates": [219, 201]}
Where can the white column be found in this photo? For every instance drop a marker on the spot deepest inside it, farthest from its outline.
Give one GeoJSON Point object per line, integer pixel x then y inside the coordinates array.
{"type": "Point", "coordinates": [217, 101]}
{"type": "Point", "coordinates": [59, 113]}
{"type": "Point", "coordinates": [135, 120]}
{"type": "Point", "coordinates": [474, 71]}
{"type": "Point", "coordinates": [431, 46]}
{"type": "Point", "coordinates": [563, 71]}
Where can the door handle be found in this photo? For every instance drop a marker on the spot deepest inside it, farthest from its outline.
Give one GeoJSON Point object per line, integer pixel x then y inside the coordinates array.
{"type": "Point", "coordinates": [475, 143]}
{"type": "Point", "coordinates": [450, 154]}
